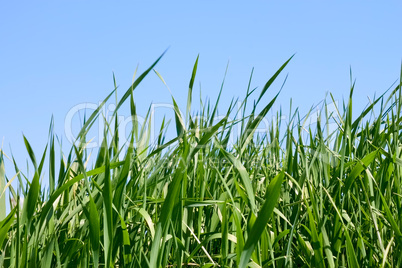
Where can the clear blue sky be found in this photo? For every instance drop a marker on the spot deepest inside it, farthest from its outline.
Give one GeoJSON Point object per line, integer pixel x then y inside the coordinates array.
{"type": "Point", "coordinates": [56, 54]}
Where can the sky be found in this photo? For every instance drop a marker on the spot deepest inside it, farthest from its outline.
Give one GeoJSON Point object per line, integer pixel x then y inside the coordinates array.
{"type": "Point", "coordinates": [57, 55]}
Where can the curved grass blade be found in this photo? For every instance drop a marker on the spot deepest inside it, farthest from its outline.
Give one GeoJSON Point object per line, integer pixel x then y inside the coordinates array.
{"type": "Point", "coordinates": [107, 213]}
{"type": "Point", "coordinates": [2, 188]}
{"type": "Point", "coordinates": [244, 177]}
{"type": "Point", "coordinates": [5, 225]}
{"type": "Point", "coordinates": [272, 79]}
{"type": "Point", "coordinates": [271, 199]}
{"type": "Point", "coordinates": [190, 88]}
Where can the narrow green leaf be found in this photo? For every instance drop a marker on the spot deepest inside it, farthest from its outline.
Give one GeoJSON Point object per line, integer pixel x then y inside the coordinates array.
{"type": "Point", "coordinates": [2, 188]}
{"type": "Point", "coordinates": [136, 83]}
{"type": "Point", "coordinates": [358, 169]}
{"type": "Point", "coordinates": [244, 177]}
{"type": "Point", "coordinates": [30, 153]}
{"type": "Point", "coordinates": [272, 79]}
{"type": "Point", "coordinates": [5, 225]}
{"type": "Point", "coordinates": [271, 199]}
{"type": "Point", "coordinates": [190, 88]}
{"type": "Point", "coordinates": [31, 199]}
{"type": "Point", "coordinates": [94, 229]}
{"type": "Point", "coordinates": [107, 214]}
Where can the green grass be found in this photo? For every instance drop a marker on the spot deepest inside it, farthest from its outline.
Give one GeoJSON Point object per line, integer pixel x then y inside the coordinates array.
{"type": "Point", "coordinates": [273, 200]}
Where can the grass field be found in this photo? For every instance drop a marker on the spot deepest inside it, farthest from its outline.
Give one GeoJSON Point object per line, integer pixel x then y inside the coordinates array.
{"type": "Point", "coordinates": [273, 200]}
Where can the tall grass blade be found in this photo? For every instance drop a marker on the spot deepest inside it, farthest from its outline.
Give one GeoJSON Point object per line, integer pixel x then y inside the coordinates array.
{"type": "Point", "coordinates": [2, 188]}
{"type": "Point", "coordinates": [271, 198]}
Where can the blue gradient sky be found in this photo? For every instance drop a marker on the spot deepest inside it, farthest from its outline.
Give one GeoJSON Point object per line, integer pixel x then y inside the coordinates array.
{"type": "Point", "coordinates": [57, 54]}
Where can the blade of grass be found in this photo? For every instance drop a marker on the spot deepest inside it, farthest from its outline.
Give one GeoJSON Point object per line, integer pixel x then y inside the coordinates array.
{"type": "Point", "coordinates": [271, 199]}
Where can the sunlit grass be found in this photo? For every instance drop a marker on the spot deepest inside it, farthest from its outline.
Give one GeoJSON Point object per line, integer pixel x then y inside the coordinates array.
{"type": "Point", "coordinates": [268, 200]}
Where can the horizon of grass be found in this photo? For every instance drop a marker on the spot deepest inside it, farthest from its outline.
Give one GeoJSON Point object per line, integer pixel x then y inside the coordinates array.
{"type": "Point", "coordinates": [196, 200]}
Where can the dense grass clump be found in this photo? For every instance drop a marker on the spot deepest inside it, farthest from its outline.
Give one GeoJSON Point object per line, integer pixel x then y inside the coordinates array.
{"type": "Point", "coordinates": [266, 200]}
